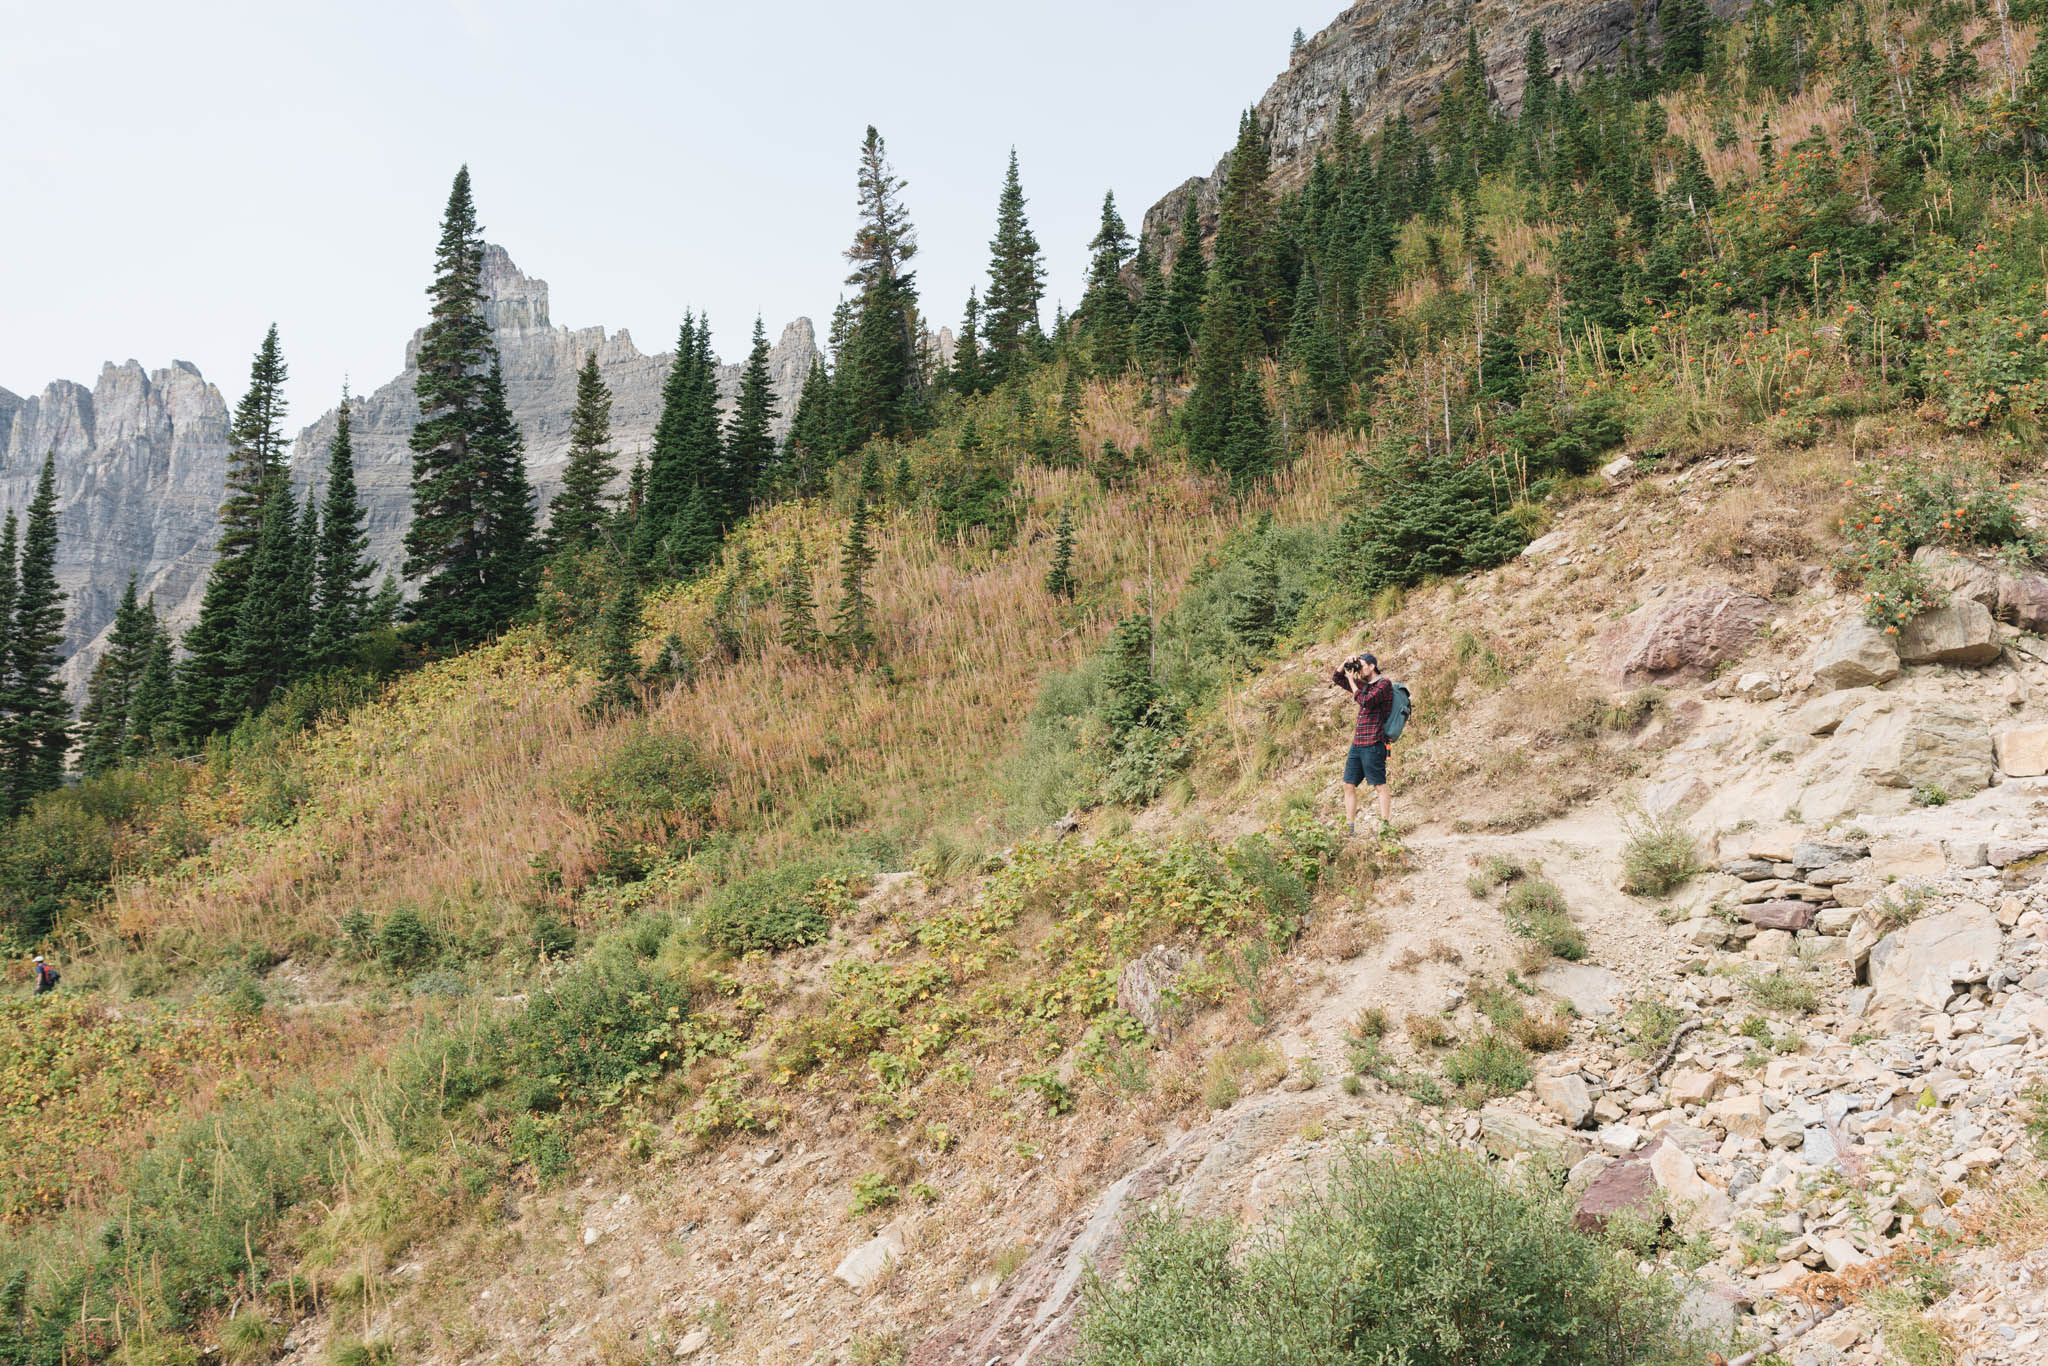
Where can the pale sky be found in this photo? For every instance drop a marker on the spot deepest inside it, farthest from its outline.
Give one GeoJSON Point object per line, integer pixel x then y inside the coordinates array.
{"type": "Point", "coordinates": [175, 177]}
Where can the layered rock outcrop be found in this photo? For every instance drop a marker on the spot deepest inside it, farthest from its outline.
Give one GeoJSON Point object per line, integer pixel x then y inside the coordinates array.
{"type": "Point", "coordinates": [540, 361]}
{"type": "Point", "coordinates": [139, 461]}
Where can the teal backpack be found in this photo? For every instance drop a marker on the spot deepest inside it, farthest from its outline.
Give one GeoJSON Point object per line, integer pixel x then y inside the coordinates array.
{"type": "Point", "coordinates": [1397, 713]}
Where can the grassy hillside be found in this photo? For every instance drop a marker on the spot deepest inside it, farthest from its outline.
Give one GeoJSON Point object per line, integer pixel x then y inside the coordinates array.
{"type": "Point", "coordinates": [388, 953]}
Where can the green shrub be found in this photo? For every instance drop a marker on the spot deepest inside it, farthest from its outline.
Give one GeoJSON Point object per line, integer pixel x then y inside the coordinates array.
{"type": "Point", "coordinates": [782, 908]}
{"type": "Point", "coordinates": [1417, 517]}
{"type": "Point", "coordinates": [542, 1143]}
{"type": "Point", "coordinates": [1536, 910]}
{"type": "Point", "coordinates": [1789, 991]}
{"type": "Point", "coordinates": [1491, 1065]}
{"type": "Point", "coordinates": [56, 858]}
{"type": "Point", "coordinates": [872, 1191]}
{"type": "Point", "coordinates": [1423, 1258]}
{"type": "Point", "coordinates": [1660, 856]}
{"type": "Point", "coordinates": [605, 1029]}
{"type": "Point", "coordinates": [404, 940]}
{"type": "Point", "coordinates": [655, 781]}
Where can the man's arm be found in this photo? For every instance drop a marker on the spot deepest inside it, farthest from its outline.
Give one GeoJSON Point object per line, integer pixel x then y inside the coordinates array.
{"type": "Point", "coordinates": [1337, 680]}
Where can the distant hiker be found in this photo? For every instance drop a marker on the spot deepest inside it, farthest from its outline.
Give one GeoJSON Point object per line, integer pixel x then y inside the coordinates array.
{"type": "Point", "coordinates": [1367, 762]}
{"type": "Point", "coordinates": [46, 976]}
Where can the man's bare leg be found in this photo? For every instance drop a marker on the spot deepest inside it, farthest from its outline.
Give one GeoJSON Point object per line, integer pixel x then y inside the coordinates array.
{"type": "Point", "coordinates": [1385, 797]}
{"type": "Point", "coordinates": [1350, 805]}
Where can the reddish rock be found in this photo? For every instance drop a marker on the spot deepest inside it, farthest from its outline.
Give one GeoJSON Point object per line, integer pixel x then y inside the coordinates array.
{"type": "Point", "coordinates": [1780, 915]}
{"type": "Point", "coordinates": [1690, 634]}
{"type": "Point", "coordinates": [1627, 1187]}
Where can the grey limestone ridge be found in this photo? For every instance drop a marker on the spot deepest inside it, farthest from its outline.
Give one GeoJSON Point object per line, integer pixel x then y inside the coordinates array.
{"type": "Point", "coordinates": [1393, 56]}
{"type": "Point", "coordinates": [540, 362]}
{"type": "Point", "coordinates": [139, 460]}
{"type": "Point", "coordinates": [141, 455]}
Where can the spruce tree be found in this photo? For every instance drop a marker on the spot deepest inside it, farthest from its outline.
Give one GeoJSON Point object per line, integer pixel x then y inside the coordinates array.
{"type": "Point", "coordinates": [109, 695]}
{"type": "Point", "coordinates": [149, 708]}
{"type": "Point", "coordinates": [1537, 82]}
{"type": "Point", "coordinates": [301, 606]}
{"type": "Point", "coordinates": [510, 539]}
{"type": "Point", "coordinates": [799, 607]}
{"type": "Point", "coordinates": [870, 488]}
{"type": "Point", "coordinates": [675, 466]}
{"type": "Point", "coordinates": [808, 450]}
{"type": "Point", "coordinates": [877, 382]}
{"type": "Point", "coordinates": [1059, 579]}
{"type": "Point", "coordinates": [1253, 618]}
{"type": "Point", "coordinates": [1065, 446]}
{"type": "Point", "coordinates": [256, 451]}
{"type": "Point", "coordinates": [1106, 313]}
{"type": "Point", "coordinates": [619, 668]}
{"type": "Point", "coordinates": [10, 587]}
{"type": "Point", "coordinates": [1188, 288]}
{"type": "Point", "coordinates": [966, 377]}
{"type": "Point", "coordinates": [1227, 423]}
{"type": "Point", "coordinates": [342, 573]}
{"type": "Point", "coordinates": [694, 543]}
{"type": "Point", "coordinates": [1151, 332]}
{"type": "Point", "coordinates": [470, 543]}
{"type": "Point", "coordinates": [577, 517]}
{"type": "Point", "coordinates": [1016, 281]}
{"type": "Point", "coordinates": [853, 621]}
{"type": "Point", "coordinates": [1129, 689]}
{"type": "Point", "coordinates": [35, 717]}
{"type": "Point", "coordinates": [1685, 25]}
{"type": "Point", "coordinates": [749, 445]}
{"type": "Point", "coordinates": [261, 660]}
{"type": "Point", "coordinates": [385, 605]}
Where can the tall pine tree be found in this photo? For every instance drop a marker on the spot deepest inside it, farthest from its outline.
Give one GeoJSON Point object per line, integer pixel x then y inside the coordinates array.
{"type": "Point", "coordinates": [854, 620]}
{"type": "Point", "coordinates": [581, 510]}
{"type": "Point", "coordinates": [35, 717]}
{"type": "Point", "coordinates": [799, 606]}
{"type": "Point", "coordinates": [1228, 424]}
{"type": "Point", "coordinates": [470, 498]}
{"type": "Point", "coordinates": [342, 574]}
{"type": "Point", "coordinates": [967, 377]}
{"type": "Point", "coordinates": [256, 452]}
{"type": "Point", "coordinates": [1106, 312]}
{"type": "Point", "coordinates": [1188, 288]}
{"type": "Point", "coordinates": [266, 654]}
{"type": "Point", "coordinates": [749, 445]}
{"type": "Point", "coordinates": [878, 382]}
{"type": "Point", "coordinates": [1016, 282]}
{"type": "Point", "coordinates": [149, 709]}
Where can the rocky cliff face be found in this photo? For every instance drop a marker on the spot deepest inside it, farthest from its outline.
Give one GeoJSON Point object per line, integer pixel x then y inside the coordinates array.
{"type": "Point", "coordinates": [1394, 57]}
{"type": "Point", "coordinates": [139, 459]}
{"type": "Point", "coordinates": [541, 361]}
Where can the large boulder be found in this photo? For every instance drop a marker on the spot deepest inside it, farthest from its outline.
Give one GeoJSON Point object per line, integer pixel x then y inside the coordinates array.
{"type": "Point", "coordinates": [1857, 655]}
{"type": "Point", "coordinates": [1692, 633]}
{"type": "Point", "coordinates": [1506, 1133]}
{"type": "Point", "coordinates": [1145, 988]}
{"type": "Point", "coordinates": [1963, 632]}
{"type": "Point", "coordinates": [1962, 578]}
{"type": "Point", "coordinates": [1946, 750]}
{"type": "Point", "coordinates": [1916, 968]}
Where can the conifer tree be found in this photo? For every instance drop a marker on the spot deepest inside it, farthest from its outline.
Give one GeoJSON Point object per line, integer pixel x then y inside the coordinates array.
{"type": "Point", "coordinates": [35, 717]}
{"type": "Point", "coordinates": [1315, 357]}
{"type": "Point", "coordinates": [1685, 26]}
{"type": "Point", "coordinates": [877, 383]}
{"type": "Point", "coordinates": [109, 694]}
{"type": "Point", "coordinates": [870, 488]}
{"type": "Point", "coordinates": [470, 543]}
{"type": "Point", "coordinates": [853, 625]}
{"type": "Point", "coordinates": [675, 466]}
{"type": "Point", "coordinates": [342, 573]}
{"type": "Point", "coordinates": [1016, 281]}
{"type": "Point", "coordinates": [256, 449]}
{"type": "Point", "coordinates": [263, 657]}
{"type": "Point", "coordinates": [577, 517]}
{"type": "Point", "coordinates": [385, 605]}
{"type": "Point", "coordinates": [1538, 83]}
{"type": "Point", "coordinates": [799, 606]}
{"type": "Point", "coordinates": [966, 377]}
{"type": "Point", "coordinates": [149, 708]}
{"type": "Point", "coordinates": [904, 490]}
{"type": "Point", "coordinates": [510, 540]}
{"type": "Point", "coordinates": [619, 668]}
{"type": "Point", "coordinates": [1188, 288]}
{"type": "Point", "coordinates": [1129, 689]}
{"type": "Point", "coordinates": [1064, 450]}
{"type": "Point", "coordinates": [694, 543]}
{"type": "Point", "coordinates": [808, 450]}
{"type": "Point", "coordinates": [10, 588]}
{"type": "Point", "coordinates": [749, 445]}
{"type": "Point", "coordinates": [1106, 312]}
{"type": "Point", "coordinates": [1151, 332]}
{"type": "Point", "coordinates": [301, 603]}
{"type": "Point", "coordinates": [1227, 422]}
{"type": "Point", "coordinates": [1253, 618]}
{"type": "Point", "coordinates": [1059, 579]}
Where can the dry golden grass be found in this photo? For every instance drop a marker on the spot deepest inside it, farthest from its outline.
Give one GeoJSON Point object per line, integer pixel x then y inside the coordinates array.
{"type": "Point", "coordinates": [448, 794]}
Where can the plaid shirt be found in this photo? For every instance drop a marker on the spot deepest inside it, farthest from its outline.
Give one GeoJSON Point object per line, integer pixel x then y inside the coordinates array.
{"type": "Point", "coordinates": [1375, 700]}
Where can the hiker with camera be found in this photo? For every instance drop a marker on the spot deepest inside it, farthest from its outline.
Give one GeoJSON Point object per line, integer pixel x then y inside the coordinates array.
{"type": "Point", "coordinates": [46, 976]}
{"type": "Point", "coordinates": [1382, 709]}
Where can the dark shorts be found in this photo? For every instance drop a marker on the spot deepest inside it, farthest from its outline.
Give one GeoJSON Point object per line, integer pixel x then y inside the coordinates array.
{"type": "Point", "coordinates": [1366, 764]}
